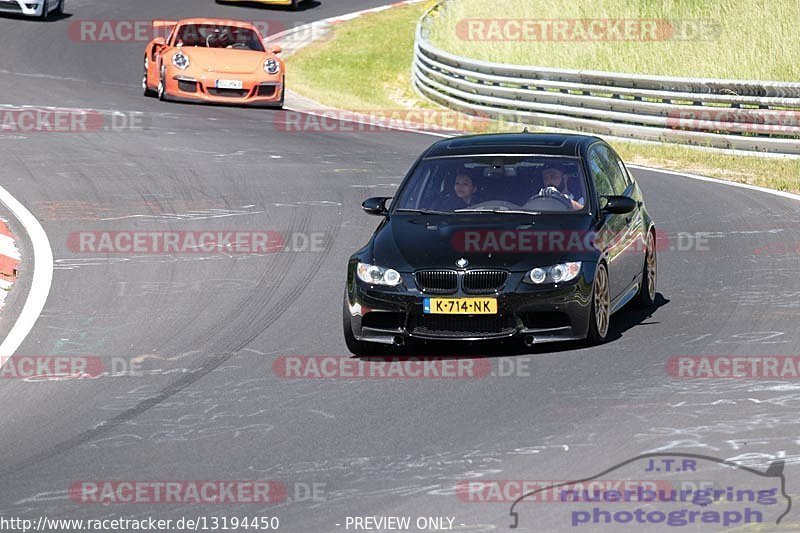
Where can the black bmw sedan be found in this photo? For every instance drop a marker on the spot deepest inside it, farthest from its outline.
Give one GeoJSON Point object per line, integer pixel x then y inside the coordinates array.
{"type": "Point", "coordinates": [540, 237]}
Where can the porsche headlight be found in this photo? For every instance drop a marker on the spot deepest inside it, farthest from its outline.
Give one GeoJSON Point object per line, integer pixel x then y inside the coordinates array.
{"type": "Point", "coordinates": [560, 273]}
{"type": "Point", "coordinates": [181, 60]}
{"type": "Point", "coordinates": [377, 275]}
{"type": "Point", "coordinates": [271, 66]}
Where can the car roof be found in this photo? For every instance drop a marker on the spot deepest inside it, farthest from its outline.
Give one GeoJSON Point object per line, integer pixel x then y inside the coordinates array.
{"type": "Point", "coordinates": [568, 145]}
{"type": "Point", "coordinates": [217, 22]}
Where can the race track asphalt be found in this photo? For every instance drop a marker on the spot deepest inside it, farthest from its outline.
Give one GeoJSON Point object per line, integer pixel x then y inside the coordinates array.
{"type": "Point", "coordinates": [208, 327]}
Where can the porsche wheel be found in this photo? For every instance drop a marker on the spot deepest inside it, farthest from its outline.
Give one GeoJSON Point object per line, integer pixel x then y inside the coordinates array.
{"type": "Point", "coordinates": [600, 316]}
{"type": "Point", "coordinates": [145, 88]}
{"type": "Point", "coordinates": [295, 4]}
{"type": "Point", "coordinates": [283, 94]}
{"type": "Point", "coordinates": [59, 10]}
{"type": "Point", "coordinates": [45, 10]}
{"type": "Point", "coordinates": [162, 88]}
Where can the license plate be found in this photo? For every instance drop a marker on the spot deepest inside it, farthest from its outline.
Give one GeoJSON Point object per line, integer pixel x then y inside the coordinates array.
{"type": "Point", "coordinates": [460, 306]}
{"type": "Point", "coordinates": [229, 84]}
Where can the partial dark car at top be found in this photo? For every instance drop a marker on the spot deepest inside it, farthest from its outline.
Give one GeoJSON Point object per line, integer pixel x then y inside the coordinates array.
{"type": "Point", "coordinates": [536, 237]}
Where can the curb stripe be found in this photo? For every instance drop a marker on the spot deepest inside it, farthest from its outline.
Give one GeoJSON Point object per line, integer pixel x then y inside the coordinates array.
{"type": "Point", "coordinates": [9, 258]}
{"type": "Point", "coordinates": [9, 261]}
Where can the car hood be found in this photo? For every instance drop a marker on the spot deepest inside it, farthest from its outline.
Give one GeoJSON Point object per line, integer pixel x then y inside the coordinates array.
{"type": "Point", "coordinates": [517, 243]}
{"type": "Point", "coordinates": [226, 61]}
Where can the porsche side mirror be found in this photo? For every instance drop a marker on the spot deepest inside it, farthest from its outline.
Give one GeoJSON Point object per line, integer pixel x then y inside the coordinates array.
{"type": "Point", "coordinates": [376, 205]}
{"type": "Point", "coordinates": [276, 49]}
{"type": "Point", "coordinates": [618, 205]}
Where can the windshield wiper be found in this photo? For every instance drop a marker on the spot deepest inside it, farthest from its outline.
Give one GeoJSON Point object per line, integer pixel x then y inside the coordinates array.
{"type": "Point", "coordinates": [498, 211]}
{"type": "Point", "coordinates": [422, 211]}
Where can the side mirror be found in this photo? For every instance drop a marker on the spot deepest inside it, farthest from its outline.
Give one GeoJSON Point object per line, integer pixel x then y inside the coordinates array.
{"type": "Point", "coordinates": [618, 205]}
{"type": "Point", "coordinates": [159, 41]}
{"type": "Point", "coordinates": [276, 49]}
{"type": "Point", "coordinates": [376, 205]}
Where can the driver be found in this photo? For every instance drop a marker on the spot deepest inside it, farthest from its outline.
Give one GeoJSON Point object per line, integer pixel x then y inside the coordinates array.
{"type": "Point", "coordinates": [224, 37]}
{"type": "Point", "coordinates": [555, 184]}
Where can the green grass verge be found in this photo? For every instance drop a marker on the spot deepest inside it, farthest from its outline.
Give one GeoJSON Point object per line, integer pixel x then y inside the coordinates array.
{"type": "Point", "coordinates": [366, 65]}
{"type": "Point", "coordinates": [744, 39]}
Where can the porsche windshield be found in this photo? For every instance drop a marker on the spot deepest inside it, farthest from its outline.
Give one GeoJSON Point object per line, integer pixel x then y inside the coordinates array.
{"type": "Point", "coordinates": [495, 184]}
{"type": "Point", "coordinates": [216, 36]}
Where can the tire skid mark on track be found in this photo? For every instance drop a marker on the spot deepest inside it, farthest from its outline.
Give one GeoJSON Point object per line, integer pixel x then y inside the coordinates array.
{"type": "Point", "coordinates": [272, 315]}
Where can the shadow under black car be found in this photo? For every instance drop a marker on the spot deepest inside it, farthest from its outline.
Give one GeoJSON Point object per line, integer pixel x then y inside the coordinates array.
{"type": "Point", "coordinates": [625, 319]}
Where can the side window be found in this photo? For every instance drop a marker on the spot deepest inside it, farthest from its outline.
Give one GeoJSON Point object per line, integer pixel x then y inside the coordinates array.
{"type": "Point", "coordinates": [614, 169]}
{"type": "Point", "coordinates": [597, 166]}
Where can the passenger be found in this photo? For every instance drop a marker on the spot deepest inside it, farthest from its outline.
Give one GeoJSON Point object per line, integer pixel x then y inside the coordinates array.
{"type": "Point", "coordinates": [464, 194]}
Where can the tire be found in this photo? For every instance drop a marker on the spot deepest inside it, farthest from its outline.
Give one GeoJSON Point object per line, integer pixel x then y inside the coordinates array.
{"type": "Point", "coordinates": [647, 292]}
{"type": "Point", "coordinates": [283, 94]}
{"type": "Point", "coordinates": [147, 90]}
{"type": "Point", "coordinates": [60, 8]}
{"type": "Point", "coordinates": [45, 11]}
{"type": "Point", "coordinates": [162, 88]}
{"type": "Point", "coordinates": [356, 346]}
{"type": "Point", "coordinates": [600, 315]}
{"type": "Point", "coordinates": [295, 4]}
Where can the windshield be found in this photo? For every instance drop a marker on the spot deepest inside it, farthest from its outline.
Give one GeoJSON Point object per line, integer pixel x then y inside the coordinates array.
{"type": "Point", "coordinates": [493, 184]}
{"type": "Point", "coordinates": [216, 36]}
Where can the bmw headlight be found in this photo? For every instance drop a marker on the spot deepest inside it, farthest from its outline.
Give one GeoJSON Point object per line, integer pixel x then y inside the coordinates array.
{"type": "Point", "coordinates": [271, 66]}
{"type": "Point", "coordinates": [181, 60]}
{"type": "Point", "coordinates": [560, 273]}
{"type": "Point", "coordinates": [377, 275]}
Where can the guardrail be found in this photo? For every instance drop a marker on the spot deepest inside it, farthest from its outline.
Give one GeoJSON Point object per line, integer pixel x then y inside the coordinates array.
{"type": "Point", "coordinates": [762, 116]}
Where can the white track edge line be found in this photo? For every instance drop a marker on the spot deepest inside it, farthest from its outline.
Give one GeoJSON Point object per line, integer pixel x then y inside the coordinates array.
{"type": "Point", "coordinates": [42, 276]}
{"type": "Point", "coordinates": [774, 192]}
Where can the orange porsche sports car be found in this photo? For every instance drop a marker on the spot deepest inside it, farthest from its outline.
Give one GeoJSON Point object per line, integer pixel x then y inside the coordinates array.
{"type": "Point", "coordinates": [215, 61]}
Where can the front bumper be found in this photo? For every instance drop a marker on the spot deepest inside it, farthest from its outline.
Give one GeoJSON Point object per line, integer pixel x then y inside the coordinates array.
{"type": "Point", "coordinates": [23, 7]}
{"type": "Point", "coordinates": [255, 91]}
{"type": "Point", "coordinates": [390, 315]}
